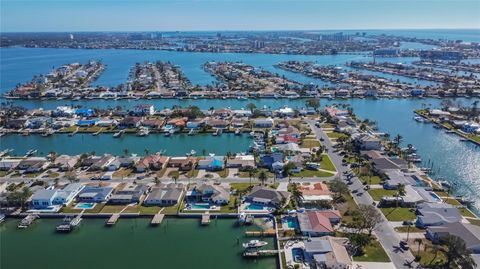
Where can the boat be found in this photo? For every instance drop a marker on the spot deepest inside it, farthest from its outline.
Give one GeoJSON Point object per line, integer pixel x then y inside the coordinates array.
{"type": "Point", "coordinates": [31, 152]}
{"type": "Point", "coordinates": [254, 244]}
{"type": "Point", "coordinates": [463, 140]}
{"type": "Point", "coordinates": [192, 132]}
{"type": "Point", "coordinates": [170, 132]}
{"type": "Point", "coordinates": [217, 132]}
{"type": "Point", "coordinates": [445, 184]}
{"type": "Point", "coordinates": [418, 119]}
{"type": "Point", "coordinates": [118, 134]}
{"type": "Point", "coordinates": [48, 132]}
{"type": "Point", "coordinates": [252, 133]}
{"type": "Point", "coordinates": [2, 218]}
{"type": "Point", "coordinates": [27, 221]}
{"type": "Point", "coordinates": [238, 132]}
{"type": "Point", "coordinates": [69, 224]}
{"type": "Point", "coordinates": [26, 133]}
{"type": "Point", "coordinates": [192, 152]}
{"type": "Point", "coordinates": [143, 131]}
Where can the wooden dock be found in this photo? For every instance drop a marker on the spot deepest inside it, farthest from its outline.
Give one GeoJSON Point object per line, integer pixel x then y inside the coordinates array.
{"type": "Point", "coordinates": [113, 220]}
{"type": "Point", "coordinates": [268, 232]}
{"type": "Point", "coordinates": [205, 219]}
{"type": "Point", "coordinates": [157, 219]}
{"type": "Point", "coordinates": [260, 253]}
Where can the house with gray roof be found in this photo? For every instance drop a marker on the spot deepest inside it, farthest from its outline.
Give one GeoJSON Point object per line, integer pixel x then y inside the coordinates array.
{"type": "Point", "coordinates": [267, 196]}
{"type": "Point", "coordinates": [92, 194]}
{"type": "Point", "coordinates": [165, 195]}
{"type": "Point", "coordinates": [468, 232]}
{"type": "Point", "coordinates": [436, 214]}
{"type": "Point", "coordinates": [207, 192]}
{"type": "Point", "coordinates": [328, 252]}
{"type": "Point", "coordinates": [130, 193]}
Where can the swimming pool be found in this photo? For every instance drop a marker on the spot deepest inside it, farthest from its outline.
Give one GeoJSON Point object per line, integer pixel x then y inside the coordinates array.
{"type": "Point", "coordinates": [435, 196]}
{"type": "Point", "coordinates": [85, 205]}
{"type": "Point", "coordinates": [297, 254]}
{"type": "Point", "coordinates": [255, 207]}
{"type": "Point", "coordinates": [201, 206]}
{"type": "Point", "coordinates": [292, 222]}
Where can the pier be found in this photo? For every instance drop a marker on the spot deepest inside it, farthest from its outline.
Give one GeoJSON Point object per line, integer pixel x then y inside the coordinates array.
{"type": "Point", "coordinates": [205, 219]}
{"type": "Point", "coordinates": [113, 220]}
{"type": "Point", "coordinates": [27, 221]}
{"type": "Point", "coordinates": [260, 253]}
{"type": "Point", "coordinates": [157, 219]}
{"type": "Point", "coordinates": [268, 232]}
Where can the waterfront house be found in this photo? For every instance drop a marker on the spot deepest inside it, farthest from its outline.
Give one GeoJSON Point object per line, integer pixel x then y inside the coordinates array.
{"type": "Point", "coordinates": [267, 196]}
{"type": "Point", "coordinates": [334, 112]}
{"type": "Point", "coordinates": [436, 214]}
{"type": "Point", "coordinates": [182, 163]}
{"type": "Point", "coordinates": [385, 164]}
{"type": "Point", "coordinates": [328, 252]}
{"type": "Point", "coordinates": [152, 123]}
{"type": "Point", "coordinates": [86, 123]}
{"type": "Point", "coordinates": [130, 193]}
{"type": "Point", "coordinates": [106, 123]}
{"type": "Point", "coordinates": [33, 164]}
{"type": "Point", "coordinates": [165, 195]}
{"type": "Point", "coordinates": [470, 127]}
{"type": "Point", "coordinates": [43, 198]}
{"type": "Point", "coordinates": [126, 161]}
{"type": "Point", "coordinates": [263, 123]}
{"type": "Point", "coordinates": [218, 123]}
{"type": "Point", "coordinates": [84, 112]}
{"type": "Point", "coordinates": [66, 195]}
{"type": "Point", "coordinates": [318, 222]}
{"type": "Point", "coordinates": [153, 162]}
{"type": "Point", "coordinates": [468, 232]}
{"type": "Point", "coordinates": [194, 124]}
{"type": "Point", "coordinates": [92, 194]}
{"type": "Point", "coordinates": [130, 122]}
{"type": "Point", "coordinates": [211, 163]}
{"type": "Point", "coordinates": [15, 123]}
{"type": "Point", "coordinates": [7, 164]}
{"type": "Point", "coordinates": [241, 162]}
{"type": "Point", "coordinates": [211, 193]}
{"type": "Point", "coordinates": [65, 162]}
{"type": "Point", "coordinates": [177, 122]}
{"type": "Point", "coordinates": [268, 160]}
{"type": "Point", "coordinates": [368, 142]}
{"type": "Point", "coordinates": [396, 177]}
{"type": "Point", "coordinates": [102, 163]}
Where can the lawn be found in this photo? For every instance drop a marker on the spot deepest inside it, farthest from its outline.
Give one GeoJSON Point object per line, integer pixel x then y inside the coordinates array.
{"type": "Point", "coordinates": [346, 207]}
{"type": "Point", "coordinates": [244, 174]}
{"type": "Point", "coordinates": [32, 175]}
{"type": "Point", "coordinates": [112, 208]}
{"type": "Point", "coordinates": [398, 213]}
{"type": "Point", "coordinates": [373, 252]}
{"type": "Point", "coordinates": [377, 194]}
{"type": "Point", "coordinates": [3, 173]}
{"type": "Point", "coordinates": [374, 180]}
{"type": "Point", "coordinates": [124, 172]}
{"type": "Point", "coordinates": [52, 174]}
{"type": "Point", "coordinates": [452, 201]}
{"type": "Point", "coordinates": [428, 254]}
{"type": "Point", "coordinates": [474, 221]}
{"type": "Point", "coordinates": [223, 173]}
{"type": "Point", "coordinates": [312, 173]}
{"type": "Point", "coordinates": [174, 173]}
{"type": "Point", "coordinates": [70, 209]}
{"type": "Point", "coordinates": [327, 163]}
{"type": "Point", "coordinates": [310, 143]}
{"type": "Point", "coordinates": [413, 229]}
{"type": "Point", "coordinates": [336, 135]}
{"type": "Point", "coordinates": [230, 208]}
{"type": "Point", "coordinates": [241, 187]}
{"type": "Point", "coordinates": [466, 213]}
{"type": "Point", "coordinates": [442, 193]}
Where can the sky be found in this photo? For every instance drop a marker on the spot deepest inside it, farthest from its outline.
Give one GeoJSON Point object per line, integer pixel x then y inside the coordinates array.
{"type": "Point", "coordinates": [217, 15]}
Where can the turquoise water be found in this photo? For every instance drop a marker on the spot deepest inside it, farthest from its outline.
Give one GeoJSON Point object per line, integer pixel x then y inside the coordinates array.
{"type": "Point", "coordinates": [292, 222]}
{"type": "Point", "coordinates": [175, 145]}
{"type": "Point", "coordinates": [200, 206]}
{"type": "Point", "coordinates": [255, 207]}
{"type": "Point", "coordinates": [85, 205]}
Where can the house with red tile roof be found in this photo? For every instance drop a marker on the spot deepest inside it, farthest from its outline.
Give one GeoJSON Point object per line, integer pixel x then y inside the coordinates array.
{"type": "Point", "coordinates": [318, 222]}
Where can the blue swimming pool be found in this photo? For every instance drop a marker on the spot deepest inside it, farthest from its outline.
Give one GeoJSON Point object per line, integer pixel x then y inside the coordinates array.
{"type": "Point", "coordinates": [255, 207]}
{"type": "Point", "coordinates": [200, 206]}
{"type": "Point", "coordinates": [435, 196]}
{"type": "Point", "coordinates": [297, 254]}
{"type": "Point", "coordinates": [85, 205]}
{"type": "Point", "coordinates": [292, 222]}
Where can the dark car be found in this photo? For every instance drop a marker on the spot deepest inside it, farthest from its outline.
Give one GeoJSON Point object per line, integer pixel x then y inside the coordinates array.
{"type": "Point", "coordinates": [404, 245]}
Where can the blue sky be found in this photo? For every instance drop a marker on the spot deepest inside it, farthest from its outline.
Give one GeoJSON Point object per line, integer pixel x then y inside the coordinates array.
{"type": "Point", "coordinates": [190, 15]}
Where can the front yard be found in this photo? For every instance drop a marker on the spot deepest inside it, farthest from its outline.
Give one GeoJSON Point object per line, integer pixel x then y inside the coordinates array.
{"type": "Point", "coordinates": [398, 213]}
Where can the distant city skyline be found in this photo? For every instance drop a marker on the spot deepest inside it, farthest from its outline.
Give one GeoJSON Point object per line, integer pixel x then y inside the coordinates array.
{"type": "Point", "coordinates": [235, 15]}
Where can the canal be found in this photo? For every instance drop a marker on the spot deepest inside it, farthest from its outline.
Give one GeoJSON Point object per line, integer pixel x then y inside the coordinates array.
{"type": "Point", "coordinates": [132, 243]}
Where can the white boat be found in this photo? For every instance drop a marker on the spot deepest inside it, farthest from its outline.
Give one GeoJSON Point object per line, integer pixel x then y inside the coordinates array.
{"type": "Point", "coordinates": [237, 132]}
{"type": "Point", "coordinates": [31, 152]}
{"type": "Point", "coordinates": [2, 218]}
{"type": "Point", "coordinates": [118, 134]}
{"type": "Point", "coordinates": [170, 132]}
{"type": "Point", "coordinates": [419, 119]}
{"type": "Point", "coordinates": [245, 218]}
{"type": "Point", "coordinates": [254, 244]}
{"type": "Point", "coordinates": [143, 131]}
{"type": "Point", "coordinates": [192, 152]}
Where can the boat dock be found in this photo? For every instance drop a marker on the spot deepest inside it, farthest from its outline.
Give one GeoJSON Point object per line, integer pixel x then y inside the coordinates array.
{"type": "Point", "coordinates": [260, 253]}
{"type": "Point", "coordinates": [69, 224]}
{"type": "Point", "coordinates": [113, 220]}
{"type": "Point", "coordinates": [157, 219]}
{"type": "Point", "coordinates": [205, 219]}
{"type": "Point", "coordinates": [268, 232]}
{"type": "Point", "coordinates": [27, 221]}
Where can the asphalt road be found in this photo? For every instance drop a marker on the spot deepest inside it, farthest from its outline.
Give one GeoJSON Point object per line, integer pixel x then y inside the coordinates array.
{"type": "Point", "coordinates": [386, 234]}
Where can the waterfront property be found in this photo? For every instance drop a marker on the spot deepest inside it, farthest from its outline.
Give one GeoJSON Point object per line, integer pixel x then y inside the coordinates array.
{"type": "Point", "coordinates": [165, 194]}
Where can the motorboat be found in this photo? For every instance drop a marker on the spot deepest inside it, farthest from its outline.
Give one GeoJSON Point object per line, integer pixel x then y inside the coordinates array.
{"type": "Point", "coordinates": [118, 134]}
{"type": "Point", "coordinates": [143, 131]}
{"type": "Point", "coordinates": [254, 244]}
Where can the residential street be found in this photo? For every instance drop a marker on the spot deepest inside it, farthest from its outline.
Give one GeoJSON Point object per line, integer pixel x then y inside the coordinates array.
{"type": "Point", "coordinates": [385, 232]}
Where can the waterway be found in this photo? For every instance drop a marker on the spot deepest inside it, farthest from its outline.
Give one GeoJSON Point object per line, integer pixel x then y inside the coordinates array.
{"type": "Point", "coordinates": [132, 243]}
{"type": "Point", "coordinates": [174, 145]}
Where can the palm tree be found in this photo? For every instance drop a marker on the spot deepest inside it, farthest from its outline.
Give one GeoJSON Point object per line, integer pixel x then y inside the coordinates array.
{"type": "Point", "coordinates": [287, 170]}
{"type": "Point", "coordinates": [457, 253]}
{"type": "Point", "coordinates": [251, 107]}
{"type": "Point", "coordinates": [175, 177]}
{"type": "Point", "coordinates": [419, 241]}
{"type": "Point", "coordinates": [400, 191]}
{"type": "Point", "coordinates": [262, 177]}
{"type": "Point", "coordinates": [297, 195]}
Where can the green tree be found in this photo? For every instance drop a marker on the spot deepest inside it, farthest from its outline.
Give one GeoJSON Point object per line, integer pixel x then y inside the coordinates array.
{"type": "Point", "coordinates": [251, 107]}
{"type": "Point", "coordinates": [287, 170]}
{"type": "Point", "coordinates": [262, 176]}
{"type": "Point", "coordinates": [458, 254]}
{"type": "Point", "coordinates": [297, 194]}
{"type": "Point", "coordinates": [313, 103]}
{"type": "Point", "coordinates": [339, 188]}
